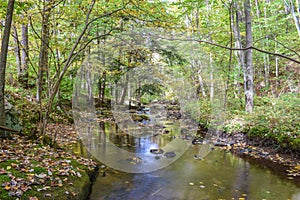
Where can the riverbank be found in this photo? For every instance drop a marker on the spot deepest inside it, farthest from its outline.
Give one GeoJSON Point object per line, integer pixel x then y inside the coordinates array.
{"type": "Point", "coordinates": [29, 170]}
{"type": "Point", "coordinates": [268, 141]}
{"type": "Point", "coordinates": [286, 165]}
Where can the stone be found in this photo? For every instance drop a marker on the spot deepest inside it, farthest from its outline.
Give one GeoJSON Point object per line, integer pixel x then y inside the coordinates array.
{"type": "Point", "coordinates": [170, 154]}
{"type": "Point", "coordinates": [156, 151]}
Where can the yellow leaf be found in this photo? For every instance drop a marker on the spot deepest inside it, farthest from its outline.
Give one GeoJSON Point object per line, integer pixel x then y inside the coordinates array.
{"type": "Point", "coordinates": [14, 165]}
{"type": "Point", "coordinates": [7, 187]}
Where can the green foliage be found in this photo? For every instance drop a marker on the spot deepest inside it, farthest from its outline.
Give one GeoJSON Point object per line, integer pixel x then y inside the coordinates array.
{"type": "Point", "coordinates": [29, 116]}
{"type": "Point", "coordinates": [277, 119]}
{"type": "Point", "coordinates": [199, 111]}
{"type": "Point", "coordinates": [234, 125]}
{"type": "Point", "coordinates": [203, 20]}
{"type": "Point", "coordinates": [65, 88]}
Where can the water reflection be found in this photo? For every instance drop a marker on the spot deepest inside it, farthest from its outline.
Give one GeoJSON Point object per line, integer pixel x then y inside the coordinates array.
{"type": "Point", "coordinates": [219, 175]}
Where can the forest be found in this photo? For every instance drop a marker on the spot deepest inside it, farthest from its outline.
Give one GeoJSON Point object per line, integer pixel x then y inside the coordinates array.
{"type": "Point", "coordinates": [222, 75]}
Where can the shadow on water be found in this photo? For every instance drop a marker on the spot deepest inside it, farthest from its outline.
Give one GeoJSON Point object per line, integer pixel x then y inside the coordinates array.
{"type": "Point", "coordinates": [219, 175]}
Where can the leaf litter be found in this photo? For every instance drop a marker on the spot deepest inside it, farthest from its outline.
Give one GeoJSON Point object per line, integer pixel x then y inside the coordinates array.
{"type": "Point", "coordinates": [38, 167]}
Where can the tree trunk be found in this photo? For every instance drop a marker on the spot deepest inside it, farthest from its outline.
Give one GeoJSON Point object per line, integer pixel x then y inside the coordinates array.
{"type": "Point", "coordinates": [248, 59]}
{"type": "Point", "coordinates": [264, 43]}
{"type": "Point", "coordinates": [231, 21]}
{"type": "Point", "coordinates": [124, 89]}
{"type": "Point", "coordinates": [102, 78]}
{"type": "Point", "coordinates": [17, 49]}
{"type": "Point", "coordinates": [102, 85]}
{"type": "Point", "coordinates": [67, 64]}
{"type": "Point", "coordinates": [23, 77]}
{"type": "Point", "coordinates": [3, 57]}
{"type": "Point", "coordinates": [238, 44]}
{"type": "Point", "coordinates": [43, 57]}
{"type": "Point", "coordinates": [201, 84]}
{"type": "Point", "coordinates": [211, 71]}
{"type": "Point", "coordinates": [290, 5]}
{"type": "Point", "coordinates": [211, 76]}
{"type": "Point", "coordinates": [276, 72]}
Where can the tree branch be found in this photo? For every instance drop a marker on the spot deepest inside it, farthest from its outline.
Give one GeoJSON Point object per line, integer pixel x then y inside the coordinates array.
{"type": "Point", "coordinates": [29, 60]}
{"type": "Point", "coordinates": [263, 38]}
{"type": "Point", "coordinates": [234, 49]}
{"type": "Point", "coordinates": [39, 37]}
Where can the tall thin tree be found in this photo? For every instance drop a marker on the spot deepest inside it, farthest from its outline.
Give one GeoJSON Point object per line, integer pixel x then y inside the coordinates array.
{"type": "Point", "coordinates": [248, 59]}
{"type": "Point", "coordinates": [23, 76]}
{"type": "Point", "coordinates": [43, 57]}
{"type": "Point", "coordinates": [3, 57]}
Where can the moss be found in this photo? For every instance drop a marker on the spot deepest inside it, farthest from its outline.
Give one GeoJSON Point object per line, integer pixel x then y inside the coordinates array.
{"type": "Point", "coordinates": [78, 190]}
{"type": "Point", "coordinates": [75, 187]}
{"type": "Point", "coordinates": [139, 118]}
{"type": "Point", "coordinates": [39, 170]}
{"type": "Point", "coordinates": [173, 107]}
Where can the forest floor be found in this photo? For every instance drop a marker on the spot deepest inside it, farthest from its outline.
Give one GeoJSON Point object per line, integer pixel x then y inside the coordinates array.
{"type": "Point", "coordinates": [29, 170]}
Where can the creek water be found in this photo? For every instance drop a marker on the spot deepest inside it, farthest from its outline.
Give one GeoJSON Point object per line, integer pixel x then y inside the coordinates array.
{"type": "Point", "coordinates": [219, 175]}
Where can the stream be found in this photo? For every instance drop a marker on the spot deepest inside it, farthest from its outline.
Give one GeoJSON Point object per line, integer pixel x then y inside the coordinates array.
{"type": "Point", "coordinates": [219, 175]}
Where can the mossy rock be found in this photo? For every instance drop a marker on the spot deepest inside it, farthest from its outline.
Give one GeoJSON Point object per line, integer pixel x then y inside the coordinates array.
{"type": "Point", "coordinates": [78, 190]}
{"type": "Point", "coordinates": [139, 118]}
{"type": "Point", "coordinates": [103, 113]}
{"type": "Point", "coordinates": [173, 107]}
{"type": "Point", "coordinates": [27, 111]}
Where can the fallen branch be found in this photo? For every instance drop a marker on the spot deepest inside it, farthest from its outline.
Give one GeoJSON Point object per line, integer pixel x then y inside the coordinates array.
{"type": "Point", "coordinates": [4, 128]}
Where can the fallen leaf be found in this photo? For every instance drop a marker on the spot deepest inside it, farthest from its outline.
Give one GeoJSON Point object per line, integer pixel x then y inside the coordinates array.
{"type": "Point", "coordinates": [14, 165]}
{"type": "Point", "coordinates": [48, 195]}
{"type": "Point", "coordinates": [3, 171]}
{"type": "Point", "coordinates": [7, 187]}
